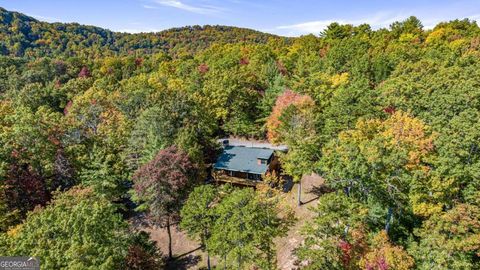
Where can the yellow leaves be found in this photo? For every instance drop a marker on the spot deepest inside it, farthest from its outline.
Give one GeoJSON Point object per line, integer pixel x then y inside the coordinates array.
{"type": "Point", "coordinates": [113, 123]}
{"type": "Point", "coordinates": [435, 36]}
{"type": "Point", "coordinates": [425, 209]}
{"type": "Point", "coordinates": [432, 198]}
{"type": "Point", "coordinates": [409, 38]}
{"type": "Point", "coordinates": [167, 68]}
{"type": "Point", "coordinates": [175, 84]}
{"type": "Point", "coordinates": [157, 80]}
{"type": "Point", "coordinates": [384, 255]}
{"type": "Point", "coordinates": [402, 128]}
{"type": "Point", "coordinates": [13, 232]}
{"type": "Point", "coordinates": [6, 109]}
{"type": "Point", "coordinates": [339, 79]}
{"type": "Point", "coordinates": [403, 131]}
{"type": "Point", "coordinates": [111, 65]}
{"type": "Point", "coordinates": [454, 232]}
{"type": "Point", "coordinates": [458, 44]}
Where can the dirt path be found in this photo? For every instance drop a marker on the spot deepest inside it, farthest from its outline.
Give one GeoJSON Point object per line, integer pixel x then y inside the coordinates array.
{"type": "Point", "coordinates": [311, 190]}
{"type": "Point", "coordinates": [189, 255]}
{"type": "Point", "coordinates": [186, 251]}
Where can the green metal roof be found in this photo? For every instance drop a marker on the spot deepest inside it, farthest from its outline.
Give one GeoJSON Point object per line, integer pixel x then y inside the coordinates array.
{"type": "Point", "coordinates": [243, 159]}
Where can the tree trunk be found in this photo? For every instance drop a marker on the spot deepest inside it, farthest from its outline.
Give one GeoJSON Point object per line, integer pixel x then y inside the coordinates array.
{"type": "Point", "coordinates": [208, 261]}
{"type": "Point", "coordinates": [170, 256]}
{"type": "Point", "coordinates": [208, 255]}
{"type": "Point", "coordinates": [299, 192]}
{"type": "Point", "coordinates": [389, 219]}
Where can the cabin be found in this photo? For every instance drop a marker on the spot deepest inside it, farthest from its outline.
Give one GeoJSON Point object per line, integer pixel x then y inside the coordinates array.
{"type": "Point", "coordinates": [244, 164]}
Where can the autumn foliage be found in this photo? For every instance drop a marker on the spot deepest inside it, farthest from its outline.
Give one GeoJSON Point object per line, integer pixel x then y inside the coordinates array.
{"type": "Point", "coordinates": [24, 188]}
{"type": "Point", "coordinates": [383, 255]}
{"type": "Point", "coordinates": [84, 73]}
{"type": "Point", "coordinates": [161, 186]}
{"type": "Point", "coordinates": [286, 99]}
{"type": "Point", "coordinates": [163, 178]}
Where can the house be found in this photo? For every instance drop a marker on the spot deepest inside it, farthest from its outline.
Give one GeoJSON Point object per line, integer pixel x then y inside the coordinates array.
{"type": "Point", "coordinates": [243, 164]}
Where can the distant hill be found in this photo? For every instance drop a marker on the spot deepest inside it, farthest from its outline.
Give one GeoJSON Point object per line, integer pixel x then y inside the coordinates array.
{"type": "Point", "coordinates": [21, 35]}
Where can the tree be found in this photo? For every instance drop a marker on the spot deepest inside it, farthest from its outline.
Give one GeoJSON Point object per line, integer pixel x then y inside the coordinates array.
{"type": "Point", "coordinates": [289, 123]}
{"type": "Point", "coordinates": [143, 254]}
{"type": "Point", "coordinates": [336, 238]}
{"type": "Point", "coordinates": [161, 184]}
{"type": "Point", "coordinates": [198, 216]}
{"type": "Point", "coordinates": [286, 99]}
{"type": "Point", "coordinates": [384, 255]}
{"type": "Point", "coordinates": [84, 73]}
{"type": "Point", "coordinates": [298, 132]}
{"type": "Point", "coordinates": [178, 120]}
{"type": "Point", "coordinates": [78, 230]}
{"type": "Point", "coordinates": [244, 230]}
{"type": "Point", "coordinates": [381, 160]}
{"type": "Point", "coordinates": [449, 240]}
{"type": "Point", "coordinates": [30, 141]}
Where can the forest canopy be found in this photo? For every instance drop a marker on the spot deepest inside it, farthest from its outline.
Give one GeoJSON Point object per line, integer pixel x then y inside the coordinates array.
{"type": "Point", "coordinates": [93, 121]}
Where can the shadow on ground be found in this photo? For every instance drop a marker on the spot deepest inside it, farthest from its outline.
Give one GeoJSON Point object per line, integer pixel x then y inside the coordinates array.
{"type": "Point", "coordinates": [317, 191]}
{"type": "Point", "coordinates": [184, 261]}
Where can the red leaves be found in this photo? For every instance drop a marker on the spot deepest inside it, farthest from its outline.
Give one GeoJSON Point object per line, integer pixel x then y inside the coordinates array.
{"type": "Point", "coordinates": [161, 182]}
{"type": "Point", "coordinates": [170, 167]}
{"type": "Point", "coordinates": [346, 249]}
{"type": "Point", "coordinates": [24, 188]}
{"type": "Point", "coordinates": [67, 107]}
{"type": "Point", "coordinates": [203, 68]}
{"type": "Point", "coordinates": [244, 61]}
{"type": "Point", "coordinates": [84, 73]}
{"type": "Point", "coordinates": [283, 101]}
{"type": "Point", "coordinates": [380, 264]}
{"type": "Point", "coordinates": [390, 110]}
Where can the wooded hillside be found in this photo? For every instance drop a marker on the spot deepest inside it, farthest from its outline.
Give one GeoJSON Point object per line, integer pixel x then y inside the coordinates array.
{"type": "Point", "coordinates": [93, 123]}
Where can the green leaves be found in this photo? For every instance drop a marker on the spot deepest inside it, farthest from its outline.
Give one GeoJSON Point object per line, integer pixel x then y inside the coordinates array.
{"type": "Point", "coordinates": [379, 159]}
{"type": "Point", "coordinates": [198, 215]}
{"type": "Point", "coordinates": [77, 231]}
{"type": "Point", "coordinates": [236, 225]}
{"type": "Point", "coordinates": [450, 240]}
{"type": "Point", "coordinates": [338, 218]}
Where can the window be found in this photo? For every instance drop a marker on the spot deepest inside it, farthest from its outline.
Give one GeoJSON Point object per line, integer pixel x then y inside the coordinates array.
{"type": "Point", "coordinates": [262, 161]}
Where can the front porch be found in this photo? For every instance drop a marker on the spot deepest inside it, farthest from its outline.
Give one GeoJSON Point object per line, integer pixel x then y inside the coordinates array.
{"type": "Point", "coordinates": [243, 180]}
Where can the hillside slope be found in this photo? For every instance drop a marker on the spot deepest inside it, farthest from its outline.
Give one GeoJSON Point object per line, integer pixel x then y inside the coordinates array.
{"type": "Point", "coordinates": [21, 35]}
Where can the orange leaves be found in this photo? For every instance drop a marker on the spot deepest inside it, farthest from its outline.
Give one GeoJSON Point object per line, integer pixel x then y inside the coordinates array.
{"type": "Point", "coordinates": [384, 255]}
{"type": "Point", "coordinates": [203, 68]}
{"type": "Point", "coordinates": [402, 130]}
{"type": "Point", "coordinates": [288, 98]}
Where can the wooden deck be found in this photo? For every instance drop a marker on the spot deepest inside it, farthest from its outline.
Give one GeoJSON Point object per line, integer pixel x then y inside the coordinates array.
{"type": "Point", "coordinates": [236, 181]}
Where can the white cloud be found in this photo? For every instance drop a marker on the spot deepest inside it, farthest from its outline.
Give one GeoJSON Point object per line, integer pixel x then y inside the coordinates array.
{"type": "Point", "coordinates": [149, 7]}
{"type": "Point", "coordinates": [43, 18]}
{"type": "Point", "coordinates": [138, 30]}
{"type": "Point", "coordinates": [379, 20]}
{"type": "Point", "coordinates": [201, 9]}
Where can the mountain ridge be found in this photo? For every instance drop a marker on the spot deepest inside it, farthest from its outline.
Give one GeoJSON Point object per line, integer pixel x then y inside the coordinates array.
{"type": "Point", "coordinates": [23, 35]}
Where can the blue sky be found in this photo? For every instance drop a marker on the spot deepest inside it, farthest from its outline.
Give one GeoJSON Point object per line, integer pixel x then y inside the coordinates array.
{"type": "Point", "coordinates": [284, 17]}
